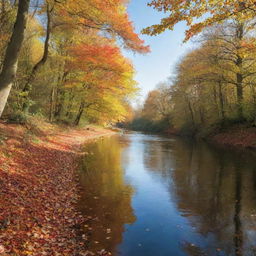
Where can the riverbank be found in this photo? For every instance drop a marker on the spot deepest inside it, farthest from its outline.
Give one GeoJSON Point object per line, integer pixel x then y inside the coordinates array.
{"type": "Point", "coordinates": [39, 189]}
{"type": "Point", "coordinates": [237, 136]}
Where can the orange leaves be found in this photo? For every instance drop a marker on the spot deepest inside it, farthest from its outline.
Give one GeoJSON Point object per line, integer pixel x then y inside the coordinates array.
{"type": "Point", "coordinates": [98, 75]}
{"type": "Point", "coordinates": [199, 14]}
{"type": "Point", "coordinates": [100, 62]}
{"type": "Point", "coordinates": [38, 192]}
{"type": "Point", "coordinates": [95, 55]}
{"type": "Point", "coordinates": [104, 78]}
{"type": "Point", "coordinates": [110, 17]}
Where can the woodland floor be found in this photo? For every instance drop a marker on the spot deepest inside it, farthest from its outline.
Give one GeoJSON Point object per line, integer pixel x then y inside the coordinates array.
{"type": "Point", "coordinates": [39, 189]}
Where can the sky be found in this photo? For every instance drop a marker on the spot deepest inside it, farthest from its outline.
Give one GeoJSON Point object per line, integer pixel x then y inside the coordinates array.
{"type": "Point", "coordinates": [166, 49]}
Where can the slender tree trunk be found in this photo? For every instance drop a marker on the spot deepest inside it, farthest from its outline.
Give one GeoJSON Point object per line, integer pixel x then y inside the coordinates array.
{"type": "Point", "coordinates": [221, 101]}
{"type": "Point", "coordinates": [40, 63]}
{"type": "Point", "coordinates": [79, 114]}
{"type": "Point", "coordinates": [254, 102]}
{"type": "Point", "coordinates": [201, 113]}
{"type": "Point", "coordinates": [52, 107]}
{"type": "Point", "coordinates": [70, 104]}
{"type": "Point", "coordinates": [10, 62]}
{"type": "Point", "coordinates": [215, 98]}
{"type": "Point", "coordinates": [191, 112]}
{"type": "Point", "coordinates": [239, 91]}
{"type": "Point", "coordinates": [55, 93]}
{"type": "Point", "coordinates": [60, 95]}
{"type": "Point", "coordinates": [239, 75]}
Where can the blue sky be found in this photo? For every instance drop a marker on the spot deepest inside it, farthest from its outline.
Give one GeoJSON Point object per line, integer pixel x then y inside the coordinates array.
{"type": "Point", "coordinates": [166, 49]}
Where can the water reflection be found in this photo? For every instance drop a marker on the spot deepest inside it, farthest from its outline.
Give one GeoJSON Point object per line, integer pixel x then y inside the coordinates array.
{"type": "Point", "coordinates": [106, 198]}
{"type": "Point", "coordinates": [215, 190]}
{"type": "Point", "coordinates": [189, 198]}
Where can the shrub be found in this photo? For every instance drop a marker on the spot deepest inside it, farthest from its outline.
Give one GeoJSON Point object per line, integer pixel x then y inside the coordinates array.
{"type": "Point", "coordinates": [18, 117]}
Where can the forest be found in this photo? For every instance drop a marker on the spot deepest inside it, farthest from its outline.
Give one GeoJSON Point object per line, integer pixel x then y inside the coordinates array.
{"type": "Point", "coordinates": [89, 166]}
{"type": "Point", "coordinates": [63, 60]}
{"type": "Point", "coordinates": [214, 83]}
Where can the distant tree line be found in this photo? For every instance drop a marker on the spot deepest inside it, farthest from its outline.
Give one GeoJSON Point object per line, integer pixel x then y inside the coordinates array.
{"type": "Point", "coordinates": [214, 85]}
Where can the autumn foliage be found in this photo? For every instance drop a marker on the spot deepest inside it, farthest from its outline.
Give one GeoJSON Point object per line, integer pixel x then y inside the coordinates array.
{"type": "Point", "coordinates": [199, 14]}
{"type": "Point", "coordinates": [78, 67]}
{"type": "Point", "coordinates": [110, 17]}
{"type": "Point", "coordinates": [39, 190]}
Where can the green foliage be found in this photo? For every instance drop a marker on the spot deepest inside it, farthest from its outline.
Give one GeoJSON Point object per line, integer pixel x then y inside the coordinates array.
{"type": "Point", "coordinates": [146, 125]}
{"type": "Point", "coordinates": [18, 117]}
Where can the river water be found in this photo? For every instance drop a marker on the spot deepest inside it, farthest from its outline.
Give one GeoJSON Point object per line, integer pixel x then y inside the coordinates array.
{"type": "Point", "coordinates": [147, 195]}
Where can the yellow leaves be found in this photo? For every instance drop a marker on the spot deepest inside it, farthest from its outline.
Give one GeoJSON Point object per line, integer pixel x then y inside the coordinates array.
{"type": "Point", "coordinates": [208, 11]}
{"type": "Point", "coordinates": [110, 17]}
{"type": "Point", "coordinates": [36, 50]}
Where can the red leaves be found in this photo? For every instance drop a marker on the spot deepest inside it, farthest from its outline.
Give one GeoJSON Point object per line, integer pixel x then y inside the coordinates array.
{"type": "Point", "coordinates": [237, 136]}
{"type": "Point", "coordinates": [102, 56]}
{"type": "Point", "coordinates": [37, 212]}
{"type": "Point", "coordinates": [38, 192]}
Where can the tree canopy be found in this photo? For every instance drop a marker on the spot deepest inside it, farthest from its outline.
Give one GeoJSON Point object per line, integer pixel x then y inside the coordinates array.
{"type": "Point", "coordinates": [199, 14]}
{"type": "Point", "coordinates": [70, 64]}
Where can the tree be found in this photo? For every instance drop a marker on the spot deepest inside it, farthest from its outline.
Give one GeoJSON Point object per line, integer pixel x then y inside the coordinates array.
{"type": "Point", "coordinates": [10, 63]}
{"type": "Point", "coordinates": [214, 84]}
{"type": "Point", "coordinates": [67, 24]}
{"type": "Point", "coordinates": [199, 14]}
{"type": "Point", "coordinates": [106, 80]}
{"type": "Point", "coordinates": [111, 18]}
{"type": "Point", "coordinates": [232, 47]}
{"type": "Point", "coordinates": [49, 9]}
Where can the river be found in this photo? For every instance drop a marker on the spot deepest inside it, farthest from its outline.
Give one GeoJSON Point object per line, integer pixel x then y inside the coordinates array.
{"type": "Point", "coordinates": [147, 195]}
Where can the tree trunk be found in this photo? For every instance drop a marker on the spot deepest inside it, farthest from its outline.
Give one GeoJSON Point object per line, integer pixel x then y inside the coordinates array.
{"type": "Point", "coordinates": [254, 102]}
{"type": "Point", "coordinates": [239, 75]}
{"type": "Point", "coordinates": [40, 63]}
{"type": "Point", "coordinates": [201, 113]}
{"type": "Point", "coordinates": [221, 100]}
{"type": "Point", "coordinates": [54, 94]}
{"type": "Point", "coordinates": [60, 95]}
{"type": "Point", "coordinates": [10, 62]}
{"type": "Point", "coordinates": [70, 104]}
{"type": "Point", "coordinates": [52, 107]}
{"type": "Point", "coordinates": [191, 112]}
{"type": "Point", "coordinates": [239, 91]}
{"type": "Point", "coordinates": [215, 98]}
{"type": "Point", "coordinates": [79, 114]}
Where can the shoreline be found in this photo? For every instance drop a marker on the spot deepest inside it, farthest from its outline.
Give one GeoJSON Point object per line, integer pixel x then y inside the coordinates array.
{"type": "Point", "coordinates": [39, 189]}
{"type": "Point", "coordinates": [237, 137]}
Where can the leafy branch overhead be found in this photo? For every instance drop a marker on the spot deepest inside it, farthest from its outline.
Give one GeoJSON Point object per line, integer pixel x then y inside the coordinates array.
{"type": "Point", "coordinates": [199, 14]}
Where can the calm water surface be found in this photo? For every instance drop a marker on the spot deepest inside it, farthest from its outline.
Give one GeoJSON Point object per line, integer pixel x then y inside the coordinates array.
{"type": "Point", "coordinates": [146, 195]}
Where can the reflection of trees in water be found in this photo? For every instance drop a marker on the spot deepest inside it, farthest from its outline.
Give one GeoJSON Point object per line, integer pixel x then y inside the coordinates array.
{"type": "Point", "coordinates": [238, 235]}
{"type": "Point", "coordinates": [215, 189]}
{"type": "Point", "coordinates": [157, 158]}
{"type": "Point", "coordinates": [106, 197]}
{"type": "Point", "coordinates": [193, 250]}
